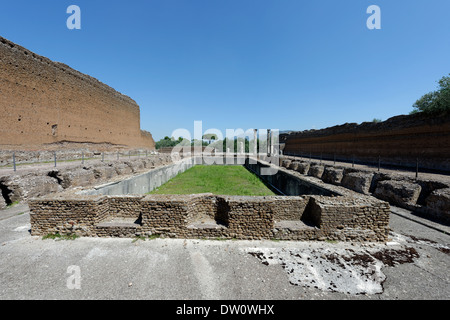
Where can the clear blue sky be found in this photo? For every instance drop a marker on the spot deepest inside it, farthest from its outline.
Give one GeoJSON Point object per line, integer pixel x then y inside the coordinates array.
{"type": "Point", "coordinates": [281, 64]}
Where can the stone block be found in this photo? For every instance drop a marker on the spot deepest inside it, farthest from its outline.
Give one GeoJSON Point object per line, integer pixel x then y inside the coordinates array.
{"type": "Point", "coordinates": [75, 177]}
{"type": "Point", "coordinates": [357, 181]}
{"type": "Point", "coordinates": [332, 175]}
{"type": "Point", "coordinates": [439, 202]}
{"type": "Point", "coordinates": [316, 171]}
{"type": "Point", "coordinates": [136, 165]}
{"type": "Point", "coordinates": [303, 167]}
{"type": "Point", "coordinates": [377, 177]}
{"type": "Point", "coordinates": [399, 193]}
{"type": "Point", "coordinates": [286, 163]}
{"type": "Point", "coordinates": [104, 171]}
{"type": "Point", "coordinates": [294, 165]}
{"type": "Point", "coordinates": [123, 169]}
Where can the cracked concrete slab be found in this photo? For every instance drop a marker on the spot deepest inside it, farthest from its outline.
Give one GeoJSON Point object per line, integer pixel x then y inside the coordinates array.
{"type": "Point", "coordinates": [339, 268]}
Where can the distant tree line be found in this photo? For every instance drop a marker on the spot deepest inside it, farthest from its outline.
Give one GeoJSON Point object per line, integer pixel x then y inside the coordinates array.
{"type": "Point", "coordinates": [234, 146]}
{"type": "Point", "coordinates": [167, 142]}
{"type": "Point", "coordinates": [220, 145]}
{"type": "Point", "coordinates": [435, 102]}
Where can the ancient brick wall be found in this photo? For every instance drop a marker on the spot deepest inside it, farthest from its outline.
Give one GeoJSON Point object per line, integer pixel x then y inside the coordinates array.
{"type": "Point", "coordinates": [290, 208]}
{"type": "Point", "coordinates": [347, 217]}
{"type": "Point", "coordinates": [400, 141]}
{"type": "Point", "coordinates": [44, 102]}
{"type": "Point", "coordinates": [78, 215]}
{"type": "Point", "coordinates": [125, 207]}
{"type": "Point", "coordinates": [337, 218]}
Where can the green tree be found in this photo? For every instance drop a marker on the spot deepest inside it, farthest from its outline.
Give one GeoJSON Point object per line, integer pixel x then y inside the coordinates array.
{"type": "Point", "coordinates": [168, 142]}
{"type": "Point", "coordinates": [195, 142]}
{"type": "Point", "coordinates": [436, 102]}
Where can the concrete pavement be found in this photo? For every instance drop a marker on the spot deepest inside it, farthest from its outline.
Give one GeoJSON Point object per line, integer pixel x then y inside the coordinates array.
{"type": "Point", "coordinates": [415, 264]}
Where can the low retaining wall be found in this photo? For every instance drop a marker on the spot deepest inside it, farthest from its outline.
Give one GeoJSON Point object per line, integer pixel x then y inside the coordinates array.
{"type": "Point", "coordinates": [143, 183]}
{"type": "Point", "coordinates": [209, 216]}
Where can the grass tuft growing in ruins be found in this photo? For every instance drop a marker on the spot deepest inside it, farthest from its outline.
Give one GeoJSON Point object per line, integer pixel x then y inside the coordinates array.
{"type": "Point", "coordinates": [143, 238]}
{"type": "Point", "coordinates": [216, 179]}
{"type": "Point", "coordinates": [13, 204]}
{"type": "Point", "coordinates": [57, 236]}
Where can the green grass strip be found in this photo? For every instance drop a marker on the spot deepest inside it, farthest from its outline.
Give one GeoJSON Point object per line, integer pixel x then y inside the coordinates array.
{"type": "Point", "coordinates": [216, 179]}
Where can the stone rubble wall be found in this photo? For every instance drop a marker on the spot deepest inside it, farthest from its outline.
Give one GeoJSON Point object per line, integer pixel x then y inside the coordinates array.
{"type": "Point", "coordinates": [79, 215]}
{"type": "Point", "coordinates": [350, 217]}
{"type": "Point", "coordinates": [289, 208]}
{"type": "Point", "coordinates": [196, 216]}
{"type": "Point", "coordinates": [124, 207]}
{"type": "Point", "coordinates": [21, 186]}
{"type": "Point", "coordinates": [425, 197]}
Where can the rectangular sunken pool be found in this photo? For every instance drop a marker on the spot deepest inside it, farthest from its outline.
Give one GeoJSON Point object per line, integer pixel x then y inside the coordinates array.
{"type": "Point", "coordinates": [306, 210]}
{"type": "Point", "coordinates": [218, 180]}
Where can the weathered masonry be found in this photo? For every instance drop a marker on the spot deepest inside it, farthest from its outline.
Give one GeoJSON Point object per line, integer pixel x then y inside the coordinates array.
{"type": "Point", "coordinates": [398, 141]}
{"type": "Point", "coordinates": [45, 102]}
{"type": "Point", "coordinates": [326, 212]}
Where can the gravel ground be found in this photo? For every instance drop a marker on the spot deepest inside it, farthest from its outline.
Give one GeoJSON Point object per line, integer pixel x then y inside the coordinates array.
{"type": "Point", "coordinates": [413, 265]}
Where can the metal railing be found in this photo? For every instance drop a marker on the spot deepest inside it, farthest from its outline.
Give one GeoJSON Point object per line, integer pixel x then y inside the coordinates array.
{"type": "Point", "coordinates": [412, 165]}
{"type": "Point", "coordinates": [15, 160]}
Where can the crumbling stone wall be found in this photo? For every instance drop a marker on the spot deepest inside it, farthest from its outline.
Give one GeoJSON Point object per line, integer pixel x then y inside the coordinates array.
{"type": "Point", "coordinates": [21, 186]}
{"type": "Point", "coordinates": [45, 102]}
{"type": "Point", "coordinates": [250, 217]}
{"type": "Point", "coordinates": [428, 198]}
{"type": "Point", "coordinates": [71, 216]}
{"type": "Point", "coordinates": [125, 207]}
{"type": "Point", "coordinates": [345, 218]}
{"type": "Point", "coordinates": [181, 216]}
{"type": "Point", "coordinates": [289, 208]}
